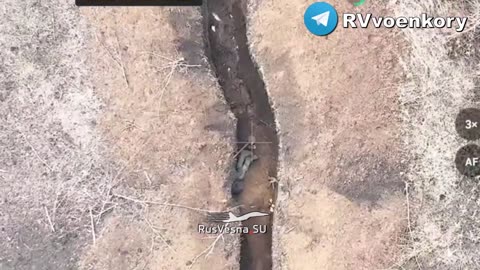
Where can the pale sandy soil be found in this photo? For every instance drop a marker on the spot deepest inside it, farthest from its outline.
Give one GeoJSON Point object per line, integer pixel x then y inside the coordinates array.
{"type": "Point", "coordinates": [360, 112]}
{"type": "Point", "coordinates": [104, 102]}
{"type": "Point", "coordinates": [341, 204]}
{"type": "Point", "coordinates": [442, 77]}
{"type": "Point", "coordinates": [158, 112]}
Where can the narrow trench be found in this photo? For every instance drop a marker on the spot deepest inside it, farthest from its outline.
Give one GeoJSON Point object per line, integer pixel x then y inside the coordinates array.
{"type": "Point", "coordinates": [225, 32]}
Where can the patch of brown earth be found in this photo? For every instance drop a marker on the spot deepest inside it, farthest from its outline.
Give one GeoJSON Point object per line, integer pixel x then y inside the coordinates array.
{"type": "Point", "coordinates": [341, 203]}
{"type": "Point", "coordinates": [169, 128]}
{"type": "Point", "coordinates": [244, 90]}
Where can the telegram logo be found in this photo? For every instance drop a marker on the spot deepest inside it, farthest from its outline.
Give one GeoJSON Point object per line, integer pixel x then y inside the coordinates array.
{"type": "Point", "coordinates": [321, 18]}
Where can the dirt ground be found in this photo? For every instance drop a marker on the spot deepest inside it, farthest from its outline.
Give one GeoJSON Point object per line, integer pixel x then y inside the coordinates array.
{"type": "Point", "coordinates": [362, 114]}
{"type": "Point", "coordinates": [104, 109]}
{"type": "Point", "coordinates": [341, 202]}
{"type": "Point", "coordinates": [115, 138]}
{"type": "Point", "coordinates": [441, 79]}
{"type": "Point", "coordinates": [162, 104]}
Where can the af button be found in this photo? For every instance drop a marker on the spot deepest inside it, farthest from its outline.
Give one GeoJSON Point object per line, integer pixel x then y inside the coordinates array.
{"type": "Point", "coordinates": [467, 160]}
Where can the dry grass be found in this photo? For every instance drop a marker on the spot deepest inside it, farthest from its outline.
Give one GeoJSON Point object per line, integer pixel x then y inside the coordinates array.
{"type": "Point", "coordinates": [80, 121]}
{"type": "Point", "coordinates": [55, 177]}
{"type": "Point", "coordinates": [440, 80]}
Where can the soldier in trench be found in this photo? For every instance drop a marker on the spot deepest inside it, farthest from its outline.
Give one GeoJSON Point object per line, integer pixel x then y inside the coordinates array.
{"type": "Point", "coordinates": [245, 158]}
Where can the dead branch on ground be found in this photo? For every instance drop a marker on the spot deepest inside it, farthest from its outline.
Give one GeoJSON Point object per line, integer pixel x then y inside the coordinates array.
{"type": "Point", "coordinates": [49, 219]}
{"type": "Point", "coordinates": [156, 232]}
{"type": "Point", "coordinates": [409, 223]}
{"type": "Point", "coordinates": [161, 203]}
{"type": "Point", "coordinates": [92, 227]}
{"type": "Point", "coordinates": [35, 151]}
{"type": "Point", "coordinates": [208, 251]}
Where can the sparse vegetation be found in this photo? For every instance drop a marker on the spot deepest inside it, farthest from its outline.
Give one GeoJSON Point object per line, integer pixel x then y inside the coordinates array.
{"type": "Point", "coordinates": [442, 75]}
{"type": "Point", "coordinates": [101, 111]}
{"type": "Point", "coordinates": [80, 133]}
{"type": "Point", "coordinates": [51, 157]}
